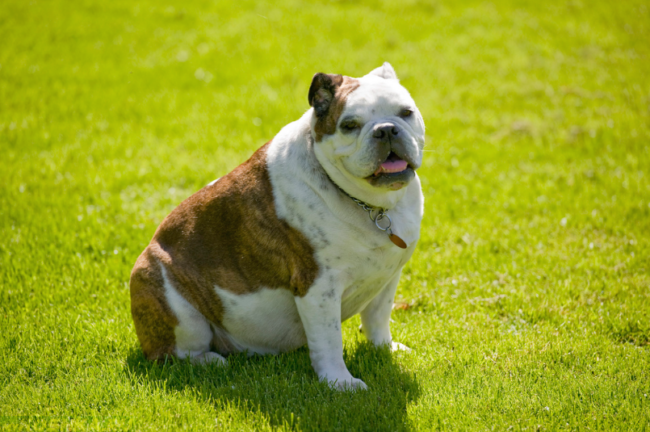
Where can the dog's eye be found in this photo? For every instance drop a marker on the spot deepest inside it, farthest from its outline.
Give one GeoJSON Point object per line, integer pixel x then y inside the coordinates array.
{"type": "Point", "coordinates": [349, 126]}
{"type": "Point", "coordinates": [405, 113]}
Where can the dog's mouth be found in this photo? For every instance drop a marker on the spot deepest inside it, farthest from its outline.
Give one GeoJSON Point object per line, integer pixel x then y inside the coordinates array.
{"type": "Point", "coordinates": [392, 164]}
{"type": "Point", "coordinates": [394, 173]}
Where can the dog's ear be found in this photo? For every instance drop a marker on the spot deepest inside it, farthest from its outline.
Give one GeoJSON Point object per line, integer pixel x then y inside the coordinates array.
{"type": "Point", "coordinates": [322, 90]}
{"type": "Point", "coordinates": [385, 71]}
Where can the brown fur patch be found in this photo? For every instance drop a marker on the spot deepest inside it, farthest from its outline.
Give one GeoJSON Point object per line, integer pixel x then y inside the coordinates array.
{"type": "Point", "coordinates": [226, 234]}
{"type": "Point", "coordinates": [334, 89]}
{"type": "Point", "coordinates": [153, 318]}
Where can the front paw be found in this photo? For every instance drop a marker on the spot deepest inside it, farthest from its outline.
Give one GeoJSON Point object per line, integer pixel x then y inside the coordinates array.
{"type": "Point", "coordinates": [396, 346]}
{"type": "Point", "coordinates": [352, 384]}
{"type": "Point", "coordinates": [348, 383]}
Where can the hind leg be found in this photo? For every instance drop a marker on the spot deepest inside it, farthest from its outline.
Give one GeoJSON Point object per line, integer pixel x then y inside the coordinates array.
{"type": "Point", "coordinates": [166, 324]}
{"type": "Point", "coordinates": [193, 333]}
{"type": "Point", "coordinates": [153, 318]}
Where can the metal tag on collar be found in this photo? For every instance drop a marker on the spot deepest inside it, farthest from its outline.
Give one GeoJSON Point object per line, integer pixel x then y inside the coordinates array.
{"type": "Point", "coordinates": [397, 240]}
{"type": "Point", "coordinates": [381, 214]}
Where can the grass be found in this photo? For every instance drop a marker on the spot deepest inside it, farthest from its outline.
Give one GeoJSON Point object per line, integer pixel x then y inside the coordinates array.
{"type": "Point", "coordinates": [527, 302]}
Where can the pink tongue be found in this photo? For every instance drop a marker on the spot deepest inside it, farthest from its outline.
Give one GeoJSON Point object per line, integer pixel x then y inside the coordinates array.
{"type": "Point", "coordinates": [392, 166]}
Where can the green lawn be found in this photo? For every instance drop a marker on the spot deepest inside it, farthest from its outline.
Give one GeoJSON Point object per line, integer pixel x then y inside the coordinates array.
{"type": "Point", "coordinates": [527, 303]}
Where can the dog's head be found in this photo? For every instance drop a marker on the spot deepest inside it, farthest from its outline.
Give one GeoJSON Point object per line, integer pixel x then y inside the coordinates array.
{"type": "Point", "coordinates": [368, 133]}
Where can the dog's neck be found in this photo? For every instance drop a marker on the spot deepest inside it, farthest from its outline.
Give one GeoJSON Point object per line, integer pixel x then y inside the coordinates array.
{"type": "Point", "coordinates": [378, 215]}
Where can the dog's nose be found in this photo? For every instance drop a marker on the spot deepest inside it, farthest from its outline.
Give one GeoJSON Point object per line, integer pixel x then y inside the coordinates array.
{"type": "Point", "coordinates": [385, 130]}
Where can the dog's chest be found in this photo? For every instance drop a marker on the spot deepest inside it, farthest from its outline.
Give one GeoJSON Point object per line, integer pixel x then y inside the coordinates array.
{"type": "Point", "coordinates": [361, 271]}
{"type": "Point", "coordinates": [349, 246]}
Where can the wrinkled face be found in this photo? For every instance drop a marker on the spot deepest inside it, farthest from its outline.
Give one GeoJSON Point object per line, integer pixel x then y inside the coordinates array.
{"type": "Point", "coordinates": [368, 129]}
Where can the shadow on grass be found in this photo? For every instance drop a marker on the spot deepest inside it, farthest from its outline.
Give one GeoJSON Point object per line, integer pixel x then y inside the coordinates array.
{"type": "Point", "coordinates": [286, 391]}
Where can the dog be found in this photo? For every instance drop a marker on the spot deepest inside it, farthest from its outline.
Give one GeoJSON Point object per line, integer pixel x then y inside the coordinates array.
{"type": "Point", "coordinates": [313, 229]}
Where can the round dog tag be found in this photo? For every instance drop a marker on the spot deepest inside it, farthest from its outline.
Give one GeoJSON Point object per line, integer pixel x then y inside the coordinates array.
{"type": "Point", "coordinates": [397, 241]}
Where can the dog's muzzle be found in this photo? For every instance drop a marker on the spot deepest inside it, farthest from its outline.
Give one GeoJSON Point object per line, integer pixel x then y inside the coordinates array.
{"type": "Point", "coordinates": [396, 169]}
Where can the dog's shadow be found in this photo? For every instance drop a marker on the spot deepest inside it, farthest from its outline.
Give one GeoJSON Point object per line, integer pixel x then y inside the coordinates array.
{"type": "Point", "coordinates": [286, 391]}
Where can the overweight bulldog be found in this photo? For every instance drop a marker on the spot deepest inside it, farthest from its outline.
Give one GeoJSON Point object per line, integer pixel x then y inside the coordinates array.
{"type": "Point", "coordinates": [314, 228]}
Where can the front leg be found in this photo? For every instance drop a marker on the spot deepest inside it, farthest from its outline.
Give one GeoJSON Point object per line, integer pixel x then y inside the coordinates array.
{"type": "Point", "coordinates": [320, 312]}
{"type": "Point", "coordinates": [375, 318]}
